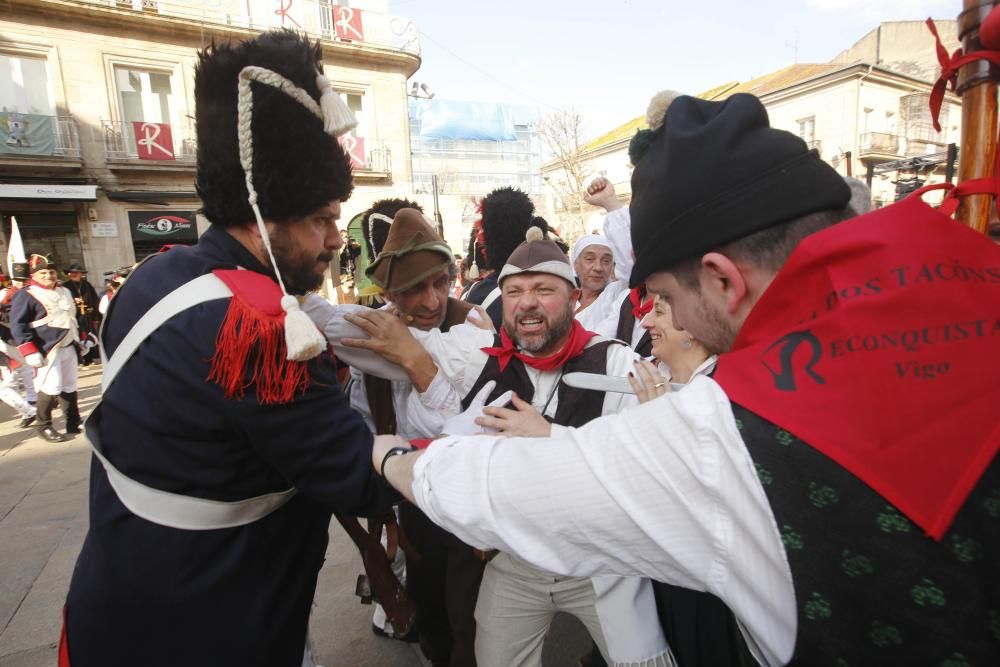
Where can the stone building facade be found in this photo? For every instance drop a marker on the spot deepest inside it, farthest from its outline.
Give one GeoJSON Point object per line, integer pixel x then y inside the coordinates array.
{"type": "Point", "coordinates": [97, 142]}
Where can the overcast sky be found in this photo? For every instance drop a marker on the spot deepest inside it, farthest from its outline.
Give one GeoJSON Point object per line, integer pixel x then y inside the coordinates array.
{"type": "Point", "coordinates": [606, 59]}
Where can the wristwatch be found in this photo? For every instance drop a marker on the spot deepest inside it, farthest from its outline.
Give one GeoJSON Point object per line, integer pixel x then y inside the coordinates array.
{"type": "Point", "coordinates": [395, 451]}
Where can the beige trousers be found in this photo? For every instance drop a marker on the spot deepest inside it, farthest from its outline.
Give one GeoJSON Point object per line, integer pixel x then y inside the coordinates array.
{"type": "Point", "coordinates": [515, 608]}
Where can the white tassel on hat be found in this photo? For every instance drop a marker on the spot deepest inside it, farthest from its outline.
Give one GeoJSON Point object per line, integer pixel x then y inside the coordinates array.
{"type": "Point", "coordinates": [338, 119]}
{"type": "Point", "coordinates": [303, 340]}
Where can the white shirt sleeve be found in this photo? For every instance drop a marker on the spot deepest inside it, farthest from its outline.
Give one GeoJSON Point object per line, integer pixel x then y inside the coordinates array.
{"type": "Point", "coordinates": [608, 326]}
{"type": "Point", "coordinates": [596, 313]}
{"type": "Point", "coordinates": [665, 490]}
{"type": "Point", "coordinates": [329, 319]}
{"type": "Point", "coordinates": [457, 353]}
{"type": "Point", "coordinates": [616, 228]}
{"type": "Point", "coordinates": [429, 410]}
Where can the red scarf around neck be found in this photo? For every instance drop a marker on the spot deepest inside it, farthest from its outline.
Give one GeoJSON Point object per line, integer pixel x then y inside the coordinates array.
{"type": "Point", "coordinates": [578, 339]}
{"type": "Point", "coordinates": [639, 309]}
{"type": "Point", "coordinates": [876, 344]}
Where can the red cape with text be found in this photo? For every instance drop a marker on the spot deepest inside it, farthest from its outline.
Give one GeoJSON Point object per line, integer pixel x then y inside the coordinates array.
{"type": "Point", "coordinates": [877, 344]}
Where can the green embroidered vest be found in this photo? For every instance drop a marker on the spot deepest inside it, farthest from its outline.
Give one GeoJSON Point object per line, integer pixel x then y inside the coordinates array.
{"type": "Point", "coordinates": [871, 588]}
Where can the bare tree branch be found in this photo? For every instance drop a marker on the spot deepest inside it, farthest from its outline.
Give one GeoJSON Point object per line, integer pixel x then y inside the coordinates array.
{"type": "Point", "coordinates": [563, 136]}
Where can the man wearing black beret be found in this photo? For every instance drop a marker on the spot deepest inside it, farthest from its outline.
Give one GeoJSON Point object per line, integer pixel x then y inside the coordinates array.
{"type": "Point", "coordinates": [835, 483]}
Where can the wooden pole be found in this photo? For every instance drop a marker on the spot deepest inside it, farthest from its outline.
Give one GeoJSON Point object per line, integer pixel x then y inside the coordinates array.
{"type": "Point", "coordinates": [977, 86]}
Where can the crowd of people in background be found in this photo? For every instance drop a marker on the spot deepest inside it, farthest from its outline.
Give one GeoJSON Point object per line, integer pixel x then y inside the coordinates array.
{"type": "Point", "coordinates": [49, 326]}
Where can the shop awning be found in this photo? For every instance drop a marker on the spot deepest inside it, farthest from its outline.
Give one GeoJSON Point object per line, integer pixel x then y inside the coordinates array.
{"type": "Point", "coordinates": [48, 191]}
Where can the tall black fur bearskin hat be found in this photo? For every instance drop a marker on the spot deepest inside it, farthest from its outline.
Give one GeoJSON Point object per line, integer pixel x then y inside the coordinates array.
{"type": "Point", "coordinates": [293, 119]}
{"type": "Point", "coordinates": [507, 215]}
{"type": "Point", "coordinates": [376, 229]}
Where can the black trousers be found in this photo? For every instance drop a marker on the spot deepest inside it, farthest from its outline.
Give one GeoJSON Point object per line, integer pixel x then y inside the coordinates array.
{"type": "Point", "coordinates": [444, 585]}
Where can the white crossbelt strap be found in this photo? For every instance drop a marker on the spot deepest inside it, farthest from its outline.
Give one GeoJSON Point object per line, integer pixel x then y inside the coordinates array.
{"type": "Point", "coordinates": [12, 352]}
{"type": "Point", "coordinates": [162, 507]}
{"type": "Point", "coordinates": [186, 512]}
{"type": "Point", "coordinates": [490, 298]}
{"type": "Point", "coordinates": [204, 288]}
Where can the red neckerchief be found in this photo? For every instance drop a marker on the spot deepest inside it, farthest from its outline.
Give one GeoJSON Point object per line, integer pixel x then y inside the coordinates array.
{"type": "Point", "coordinates": [38, 284]}
{"type": "Point", "coordinates": [639, 309]}
{"type": "Point", "coordinates": [876, 344]}
{"type": "Point", "coordinates": [578, 339]}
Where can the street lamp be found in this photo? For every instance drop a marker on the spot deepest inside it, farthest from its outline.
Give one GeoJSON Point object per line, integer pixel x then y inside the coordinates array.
{"type": "Point", "coordinates": [421, 91]}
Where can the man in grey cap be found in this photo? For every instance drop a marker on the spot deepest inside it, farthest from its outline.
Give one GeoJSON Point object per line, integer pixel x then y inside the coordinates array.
{"type": "Point", "coordinates": [835, 483]}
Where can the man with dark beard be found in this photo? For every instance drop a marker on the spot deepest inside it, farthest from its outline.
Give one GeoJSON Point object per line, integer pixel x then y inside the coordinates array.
{"type": "Point", "coordinates": [539, 341]}
{"type": "Point", "coordinates": [222, 442]}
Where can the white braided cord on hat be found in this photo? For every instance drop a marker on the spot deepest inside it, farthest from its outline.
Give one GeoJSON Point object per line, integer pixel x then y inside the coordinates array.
{"type": "Point", "coordinates": [302, 338]}
{"type": "Point", "coordinates": [371, 227]}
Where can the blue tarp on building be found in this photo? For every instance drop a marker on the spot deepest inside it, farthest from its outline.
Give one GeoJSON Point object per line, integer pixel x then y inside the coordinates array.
{"type": "Point", "coordinates": [457, 119]}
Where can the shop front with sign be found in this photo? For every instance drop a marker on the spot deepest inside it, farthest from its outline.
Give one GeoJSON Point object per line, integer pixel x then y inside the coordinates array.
{"type": "Point", "coordinates": [151, 230]}
{"type": "Point", "coordinates": [51, 232]}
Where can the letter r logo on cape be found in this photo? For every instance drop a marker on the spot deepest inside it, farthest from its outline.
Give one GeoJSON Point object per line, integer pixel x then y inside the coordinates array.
{"type": "Point", "coordinates": [784, 377]}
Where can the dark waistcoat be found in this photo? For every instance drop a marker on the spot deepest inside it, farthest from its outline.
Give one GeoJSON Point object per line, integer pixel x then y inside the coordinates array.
{"type": "Point", "coordinates": [626, 323]}
{"type": "Point", "coordinates": [576, 406]}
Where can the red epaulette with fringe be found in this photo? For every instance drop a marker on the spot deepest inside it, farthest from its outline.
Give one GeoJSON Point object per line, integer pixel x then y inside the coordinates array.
{"type": "Point", "coordinates": [250, 349]}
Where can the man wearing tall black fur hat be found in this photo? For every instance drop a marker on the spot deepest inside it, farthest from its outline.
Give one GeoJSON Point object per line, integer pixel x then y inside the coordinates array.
{"type": "Point", "coordinates": [43, 323]}
{"type": "Point", "coordinates": [835, 483]}
{"type": "Point", "coordinates": [223, 442]}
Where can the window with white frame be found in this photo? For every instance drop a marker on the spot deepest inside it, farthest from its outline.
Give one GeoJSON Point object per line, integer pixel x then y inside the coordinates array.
{"type": "Point", "coordinates": [25, 85]}
{"type": "Point", "coordinates": [356, 102]}
{"type": "Point", "coordinates": [149, 94]}
{"type": "Point", "coordinates": [145, 95]}
{"type": "Point", "coordinates": [807, 129]}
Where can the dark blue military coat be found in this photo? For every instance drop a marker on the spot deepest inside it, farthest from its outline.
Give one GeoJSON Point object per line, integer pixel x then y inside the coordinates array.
{"type": "Point", "coordinates": [144, 594]}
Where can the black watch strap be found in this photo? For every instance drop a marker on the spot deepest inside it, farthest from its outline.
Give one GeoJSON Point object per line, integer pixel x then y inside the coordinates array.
{"type": "Point", "coordinates": [395, 451]}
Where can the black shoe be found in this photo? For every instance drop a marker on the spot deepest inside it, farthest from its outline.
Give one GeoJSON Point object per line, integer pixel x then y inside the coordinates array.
{"type": "Point", "coordinates": [26, 422]}
{"type": "Point", "coordinates": [52, 435]}
{"type": "Point", "coordinates": [72, 430]}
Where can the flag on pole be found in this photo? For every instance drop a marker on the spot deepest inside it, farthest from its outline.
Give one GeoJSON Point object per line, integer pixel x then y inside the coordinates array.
{"type": "Point", "coordinates": [15, 247]}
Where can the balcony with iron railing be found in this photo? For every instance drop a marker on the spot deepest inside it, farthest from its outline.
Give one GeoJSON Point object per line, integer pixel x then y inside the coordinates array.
{"type": "Point", "coordinates": [39, 140]}
{"type": "Point", "coordinates": [318, 18]}
{"type": "Point", "coordinates": [370, 160]}
{"type": "Point", "coordinates": [149, 145]}
{"type": "Point", "coordinates": [878, 146]}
